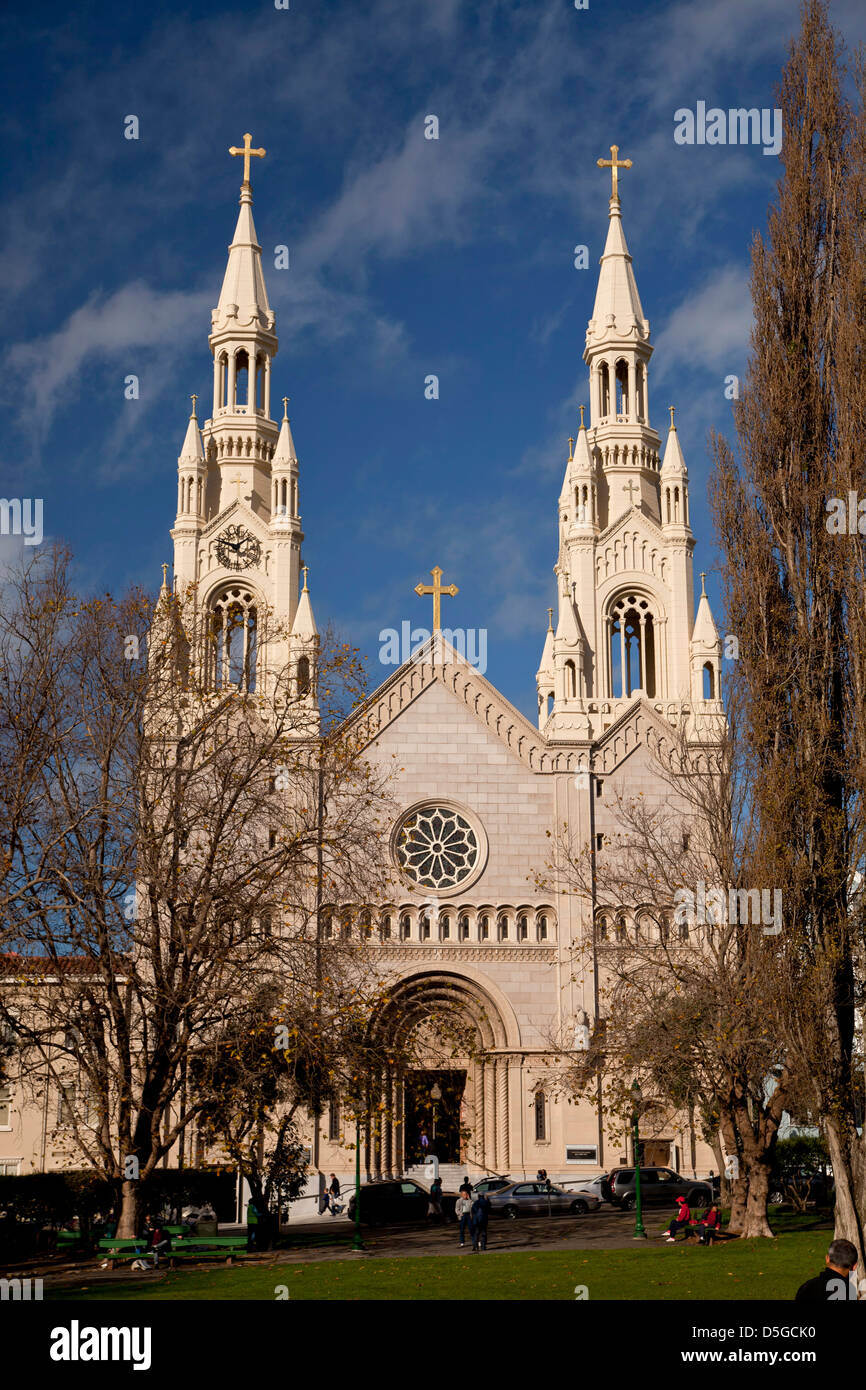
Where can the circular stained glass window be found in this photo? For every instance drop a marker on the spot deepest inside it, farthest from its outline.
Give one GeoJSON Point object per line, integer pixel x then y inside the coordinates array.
{"type": "Point", "coordinates": [437, 847]}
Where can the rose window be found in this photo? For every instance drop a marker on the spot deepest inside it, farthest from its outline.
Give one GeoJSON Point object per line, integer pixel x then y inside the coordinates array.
{"type": "Point", "coordinates": [436, 847]}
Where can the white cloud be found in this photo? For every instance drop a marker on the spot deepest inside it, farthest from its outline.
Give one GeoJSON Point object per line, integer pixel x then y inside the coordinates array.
{"type": "Point", "coordinates": [710, 328]}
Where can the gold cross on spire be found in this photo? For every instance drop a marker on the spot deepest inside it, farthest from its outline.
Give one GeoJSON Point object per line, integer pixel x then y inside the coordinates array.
{"type": "Point", "coordinates": [614, 165]}
{"type": "Point", "coordinates": [246, 150]}
{"type": "Point", "coordinates": [437, 590]}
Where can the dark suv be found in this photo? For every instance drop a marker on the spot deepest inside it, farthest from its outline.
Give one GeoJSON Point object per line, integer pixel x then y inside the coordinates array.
{"type": "Point", "coordinates": [658, 1187]}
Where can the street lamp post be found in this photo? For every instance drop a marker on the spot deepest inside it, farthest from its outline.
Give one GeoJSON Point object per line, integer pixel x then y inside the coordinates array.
{"type": "Point", "coordinates": [435, 1096]}
{"type": "Point", "coordinates": [357, 1243]}
{"type": "Point", "coordinates": [637, 1097]}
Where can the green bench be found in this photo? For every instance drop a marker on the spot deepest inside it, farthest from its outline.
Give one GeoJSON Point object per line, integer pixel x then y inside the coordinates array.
{"type": "Point", "coordinates": [123, 1249]}
{"type": "Point", "coordinates": [203, 1247]}
{"type": "Point", "coordinates": [66, 1238]}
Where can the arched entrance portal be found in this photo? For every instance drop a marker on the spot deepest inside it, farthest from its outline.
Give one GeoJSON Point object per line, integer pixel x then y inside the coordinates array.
{"type": "Point", "coordinates": [462, 1044]}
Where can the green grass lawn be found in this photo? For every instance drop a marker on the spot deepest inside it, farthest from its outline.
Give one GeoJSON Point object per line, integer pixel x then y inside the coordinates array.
{"type": "Point", "coordinates": [765, 1269]}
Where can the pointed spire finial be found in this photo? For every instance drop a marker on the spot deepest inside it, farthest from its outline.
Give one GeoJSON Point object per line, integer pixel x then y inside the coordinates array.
{"type": "Point", "coordinates": [193, 398]}
{"type": "Point", "coordinates": [703, 584]}
{"type": "Point", "coordinates": [306, 569]}
{"type": "Point", "coordinates": [286, 400]}
{"type": "Point", "coordinates": [550, 619]}
{"type": "Point", "coordinates": [570, 448]}
{"type": "Point", "coordinates": [581, 409]}
{"type": "Point", "coordinates": [672, 408]}
{"type": "Point", "coordinates": [614, 165]}
{"type": "Point", "coordinates": [247, 151]}
{"type": "Point", "coordinates": [165, 576]}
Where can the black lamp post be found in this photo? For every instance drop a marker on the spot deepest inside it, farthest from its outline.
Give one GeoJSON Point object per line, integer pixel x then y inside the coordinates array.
{"type": "Point", "coordinates": [637, 1097]}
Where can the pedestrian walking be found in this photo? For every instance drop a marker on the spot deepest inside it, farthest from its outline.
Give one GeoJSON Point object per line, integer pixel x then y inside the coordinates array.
{"type": "Point", "coordinates": [435, 1209]}
{"type": "Point", "coordinates": [466, 1187]}
{"type": "Point", "coordinates": [425, 1145]}
{"type": "Point", "coordinates": [479, 1213]}
{"type": "Point", "coordinates": [334, 1202]}
{"type": "Point", "coordinates": [463, 1211]}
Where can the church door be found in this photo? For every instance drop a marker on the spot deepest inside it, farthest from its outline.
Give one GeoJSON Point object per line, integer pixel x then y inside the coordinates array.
{"type": "Point", "coordinates": [432, 1107]}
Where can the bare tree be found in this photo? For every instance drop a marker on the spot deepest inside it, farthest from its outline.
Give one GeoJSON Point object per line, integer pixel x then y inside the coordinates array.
{"type": "Point", "coordinates": [166, 847]}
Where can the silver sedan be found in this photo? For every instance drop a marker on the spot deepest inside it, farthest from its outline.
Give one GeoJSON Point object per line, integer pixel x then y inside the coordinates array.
{"type": "Point", "coordinates": [537, 1199]}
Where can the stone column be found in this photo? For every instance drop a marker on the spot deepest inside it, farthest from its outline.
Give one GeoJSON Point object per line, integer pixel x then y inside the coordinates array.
{"type": "Point", "coordinates": [478, 1107]}
{"type": "Point", "coordinates": [502, 1115]}
{"type": "Point", "coordinates": [399, 1140]}
{"type": "Point", "coordinates": [388, 1123]}
{"type": "Point", "coordinates": [377, 1121]}
{"type": "Point", "coordinates": [490, 1115]}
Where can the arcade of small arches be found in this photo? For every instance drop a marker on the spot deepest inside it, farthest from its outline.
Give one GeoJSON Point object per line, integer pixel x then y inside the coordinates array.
{"type": "Point", "coordinates": [238, 390]}
{"type": "Point", "coordinates": [412, 923]}
{"type": "Point", "coordinates": [630, 647]}
{"type": "Point", "coordinates": [233, 644]}
{"type": "Point", "coordinates": [619, 391]}
{"type": "Point", "coordinates": [643, 926]}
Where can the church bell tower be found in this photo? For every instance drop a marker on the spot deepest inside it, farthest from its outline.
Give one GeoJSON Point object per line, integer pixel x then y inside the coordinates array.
{"type": "Point", "coordinates": [237, 536]}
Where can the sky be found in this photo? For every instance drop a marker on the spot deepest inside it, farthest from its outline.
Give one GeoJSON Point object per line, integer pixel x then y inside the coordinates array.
{"type": "Point", "coordinates": [408, 257]}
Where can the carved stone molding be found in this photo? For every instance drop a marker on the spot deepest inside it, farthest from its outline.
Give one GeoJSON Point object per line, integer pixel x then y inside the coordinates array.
{"type": "Point", "coordinates": [544, 954]}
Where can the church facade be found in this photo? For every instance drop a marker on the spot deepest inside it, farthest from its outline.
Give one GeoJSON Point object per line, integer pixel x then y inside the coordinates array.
{"type": "Point", "coordinates": [481, 788]}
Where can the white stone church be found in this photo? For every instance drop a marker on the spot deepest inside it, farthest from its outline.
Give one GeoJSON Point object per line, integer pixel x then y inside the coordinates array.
{"type": "Point", "coordinates": [627, 652]}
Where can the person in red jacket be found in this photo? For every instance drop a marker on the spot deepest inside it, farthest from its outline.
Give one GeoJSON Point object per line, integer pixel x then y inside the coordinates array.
{"type": "Point", "coordinates": [708, 1229]}
{"type": "Point", "coordinates": [680, 1222]}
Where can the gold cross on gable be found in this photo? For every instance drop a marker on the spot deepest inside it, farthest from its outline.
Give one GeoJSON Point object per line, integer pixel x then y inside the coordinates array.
{"type": "Point", "coordinates": [247, 151]}
{"type": "Point", "coordinates": [614, 165]}
{"type": "Point", "coordinates": [437, 590]}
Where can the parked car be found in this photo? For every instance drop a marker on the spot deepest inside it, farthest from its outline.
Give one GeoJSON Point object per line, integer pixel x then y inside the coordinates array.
{"type": "Point", "coordinates": [537, 1199]}
{"type": "Point", "coordinates": [489, 1185]}
{"type": "Point", "coordinates": [393, 1202]}
{"type": "Point", "coordinates": [658, 1187]}
{"type": "Point", "coordinates": [593, 1185]}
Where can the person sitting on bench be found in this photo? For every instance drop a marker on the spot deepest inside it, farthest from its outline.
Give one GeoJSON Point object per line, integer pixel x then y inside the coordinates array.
{"type": "Point", "coordinates": [680, 1222]}
{"type": "Point", "coordinates": [707, 1230]}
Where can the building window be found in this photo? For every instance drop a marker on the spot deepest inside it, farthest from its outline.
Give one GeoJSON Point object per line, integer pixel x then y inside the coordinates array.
{"type": "Point", "coordinates": [66, 1105]}
{"type": "Point", "coordinates": [5, 1107]}
{"type": "Point", "coordinates": [709, 681]}
{"type": "Point", "coordinates": [542, 928]}
{"type": "Point", "coordinates": [329, 927]}
{"type": "Point", "coordinates": [484, 928]}
{"type": "Point", "coordinates": [334, 1121]}
{"type": "Point", "coordinates": [386, 927]}
{"type": "Point", "coordinates": [502, 927]}
{"type": "Point", "coordinates": [445, 928]}
{"type": "Point", "coordinates": [464, 928]}
{"type": "Point", "coordinates": [405, 926]}
{"type": "Point", "coordinates": [522, 927]}
{"type": "Point", "coordinates": [304, 676]}
{"type": "Point", "coordinates": [604, 389]}
{"type": "Point", "coordinates": [425, 928]}
{"type": "Point", "coordinates": [621, 388]}
{"type": "Point", "coordinates": [436, 847]}
{"type": "Point", "coordinates": [540, 1117]}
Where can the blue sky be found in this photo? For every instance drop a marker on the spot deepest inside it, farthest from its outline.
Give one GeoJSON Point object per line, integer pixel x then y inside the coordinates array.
{"type": "Point", "coordinates": [408, 257]}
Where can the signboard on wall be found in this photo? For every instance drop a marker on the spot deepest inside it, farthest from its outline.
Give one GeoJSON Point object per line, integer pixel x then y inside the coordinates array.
{"type": "Point", "coordinates": [581, 1153]}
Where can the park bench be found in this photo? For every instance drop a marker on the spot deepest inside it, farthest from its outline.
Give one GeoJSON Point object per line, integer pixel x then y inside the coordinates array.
{"type": "Point", "coordinates": [204, 1247]}
{"type": "Point", "coordinates": [123, 1249]}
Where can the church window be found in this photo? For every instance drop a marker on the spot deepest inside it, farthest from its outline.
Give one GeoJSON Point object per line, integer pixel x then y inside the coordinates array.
{"type": "Point", "coordinates": [599, 842]}
{"type": "Point", "coordinates": [483, 928]}
{"type": "Point", "coordinates": [266, 922]}
{"type": "Point", "coordinates": [620, 928]}
{"type": "Point", "coordinates": [329, 926]}
{"type": "Point", "coordinates": [599, 786]}
{"type": "Point", "coordinates": [242, 363]}
{"type": "Point", "coordinates": [676, 504]}
{"type": "Point", "coordinates": [304, 676]}
{"type": "Point", "coordinates": [445, 928]}
{"type": "Point", "coordinates": [425, 927]}
{"type": "Point", "coordinates": [346, 926]}
{"type": "Point", "coordinates": [233, 640]}
{"type": "Point", "coordinates": [386, 927]}
{"type": "Point", "coordinates": [684, 930]}
{"type": "Point", "coordinates": [436, 847]}
{"type": "Point", "coordinates": [686, 839]}
{"type": "Point", "coordinates": [709, 676]}
{"type": "Point", "coordinates": [639, 391]}
{"type": "Point", "coordinates": [334, 1121]}
{"type": "Point", "coordinates": [502, 927]}
{"type": "Point", "coordinates": [272, 839]}
{"type": "Point", "coordinates": [66, 1105]}
{"type": "Point", "coordinates": [549, 703]}
{"type": "Point", "coordinates": [464, 928]}
{"type": "Point", "coordinates": [542, 928]}
{"type": "Point", "coordinates": [604, 389]}
{"type": "Point", "coordinates": [540, 1118]}
{"type": "Point", "coordinates": [260, 382]}
{"type": "Point", "coordinates": [405, 926]}
{"type": "Point", "coordinates": [632, 648]}
{"type": "Point", "coordinates": [522, 927]}
{"type": "Point", "coordinates": [222, 388]}
{"type": "Point", "coordinates": [621, 388]}
{"type": "Point", "coordinates": [602, 928]}
{"type": "Point", "coordinates": [570, 680]}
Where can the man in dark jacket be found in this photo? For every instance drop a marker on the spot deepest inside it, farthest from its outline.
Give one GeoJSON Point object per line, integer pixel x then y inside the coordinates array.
{"type": "Point", "coordinates": [478, 1221]}
{"type": "Point", "coordinates": [834, 1283]}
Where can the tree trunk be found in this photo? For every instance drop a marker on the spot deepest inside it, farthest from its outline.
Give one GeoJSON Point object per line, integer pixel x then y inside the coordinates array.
{"type": "Point", "coordinates": [848, 1172]}
{"type": "Point", "coordinates": [130, 1210]}
{"type": "Point", "coordinates": [755, 1221]}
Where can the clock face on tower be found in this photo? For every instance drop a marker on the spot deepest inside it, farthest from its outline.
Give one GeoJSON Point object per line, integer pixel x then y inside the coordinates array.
{"type": "Point", "coordinates": [238, 548]}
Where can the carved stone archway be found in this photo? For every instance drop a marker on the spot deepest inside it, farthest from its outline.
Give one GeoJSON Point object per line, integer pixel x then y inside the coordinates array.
{"type": "Point", "coordinates": [482, 1012]}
